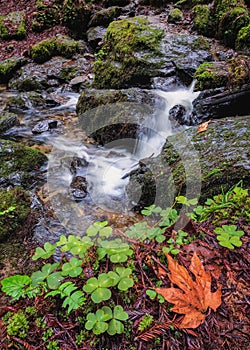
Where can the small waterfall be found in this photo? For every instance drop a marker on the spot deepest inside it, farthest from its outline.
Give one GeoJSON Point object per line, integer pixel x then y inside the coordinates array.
{"type": "Point", "coordinates": [108, 169]}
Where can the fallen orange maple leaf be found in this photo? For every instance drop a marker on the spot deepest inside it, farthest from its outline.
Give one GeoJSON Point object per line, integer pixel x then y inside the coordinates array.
{"type": "Point", "coordinates": [203, 127]}
{"type": "Point", "coordinates": [194, 297]}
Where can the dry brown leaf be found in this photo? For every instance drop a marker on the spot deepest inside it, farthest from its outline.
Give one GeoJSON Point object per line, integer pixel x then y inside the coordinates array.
{"type": "Point", "coordinates": [203, 127]}
{"type": "Point", "coordinates": [192, 298]}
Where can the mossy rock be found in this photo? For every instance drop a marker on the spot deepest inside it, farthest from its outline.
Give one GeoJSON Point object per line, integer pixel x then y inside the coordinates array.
{"type": "Point", "coordinates": [231, 73]}
{"type": "Point", "coordinates": [56, 46]}
{"type": "Point", "coordinates": [25, 101]}
{"type": "Point", "coordinates": [243, 39]}
{"type": "Point", "coordinates": [13, 26]}
{"type": "Point", "coordinates": [9, 67]}
{"type": "Point", "coordinates": [210, 75]}
{"type": "Point", "coordinates": [46, 17]}
{"type": "Point", "coordinates": [221, 7]}
{"type": "Point", "coordinates": [202, 20]}
{"type": "Point", "coordinates": [231, 23]}
{"type": "Point", "coordinates": [105, 16]}
{"type": "Point", "coordinates": [130, 54]}
{"type": "Point", "coordinates": [195, 164]}
{"type": "Point", "coordinates": [108, 115]}
{"type": "Point", "coordinates": [19, 165]}
{"type": "Point", "coordinates": [175, 15]}
{"type": "Point", "coordinates": [14, 209]}
{"type": "Point", "coordinates": [7, 121]}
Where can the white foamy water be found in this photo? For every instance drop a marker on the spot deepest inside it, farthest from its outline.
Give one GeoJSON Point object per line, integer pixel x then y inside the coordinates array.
{"type": "Point", "coordinates": [108, 169]}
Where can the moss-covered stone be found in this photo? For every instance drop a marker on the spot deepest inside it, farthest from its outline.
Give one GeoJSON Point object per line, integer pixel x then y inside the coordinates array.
{"type": "Point", "coordinates": [243, 39]}
{"type": "Point", "coordinates": [128, 54]}
{"type": "Point", "coordinates": [221, 7]}
{"type": "Point", "coordinates": [231, 23]}
{"type": "Point", "coordinates": [231, 73]}
{"type": "Point", "coordinates": [105, 16]}
{"type": "Point", "coordinates": [7, 121]}
{"type": "Point", "coordinates": [46, 17]}
{"type": "Point", "coordinates": [13, 26]}
{"type": "Point", "coordinates": [25, 100]}
{"type": "Point", "coordinates": [187, 162]}
{"type": "Point", "coordinates": [202, 20]}
{"type": "Point", "coordinates": [175, 15]}
{"type": "Point", "coordinates": [210, 75]}
{"type": "Point", "coordinates": [107, 115]}
{"type": "Point", "coordinates": [9, 67]}
{"type": "Point", "coordinates": [18, 164]}
{"type": "Point", "coordinates": [14, 208]}
{"type": "Point", "coordinates": [56, 46]}
{"type": "Point", "coordinates": [72, 14]}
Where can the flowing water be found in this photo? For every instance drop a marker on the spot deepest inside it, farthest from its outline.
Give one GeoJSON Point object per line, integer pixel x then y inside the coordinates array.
{"type": "Point", "coordinates": [84, 177]}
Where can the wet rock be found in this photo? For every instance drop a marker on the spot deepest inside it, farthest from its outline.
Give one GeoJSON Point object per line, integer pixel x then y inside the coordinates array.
{"type": "Point", "coordinates": [7, 121]}
{"type": "Point", "coordinates": [187, 162]}
{"type": "Point", "coordinates": [105, 16]}
{"type": "Point", "coordinates": [19, 165]}
{"type": "Point", "coordinates": [128, 57]}
{"type": "Point", "coordinates": [95, 35]}
{"type": "Point", "coordinates": [108, 115]}
{"type": "Point", "coordinates": [45, 125]}
{"type": "Point", "coordinates": [77, 164]}
{"type": "Point", "coordinates": [50, 74]}
{"type": "Point", "coordinates": [78, 187]}
{"type": "Point", "coordinates": [232, 73]}
{"type": "Point", "coordinates": [221, 103]}
{"type": "Point", "coordinates": [56, 46]}
{"type": "Point", "coordinates": [13, 26]}
{"type": "Point", "coordinates": [9, 67]}
{"type": "Point", "coordinates": [180, 114]}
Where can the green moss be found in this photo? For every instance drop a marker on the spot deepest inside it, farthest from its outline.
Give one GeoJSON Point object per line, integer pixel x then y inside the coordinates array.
{"type": "Point", "coordinates": [231, 23]}
{"type": "Point", "coordinates": [13, 26]}
{"type": "Point", "coordinates": [17, 159]}
{"type": "Point", "coordinates": [128, 53]}
{"type": "Point", "coordinates": [243, 39]}
{"type": "Point", "coordinates": [56, 46]}
{"type": "Point", "coordinates": [210, 76]}
{"type": "Point", "coordinates": [201, 43]}
{"type": "Point", "coordinates": [9, 67]}
{"type": "Point", "coordinates": [202, 22]}
{"type": "Point", "coordinates": [221, 7]}
{"type": "Point", "coordinates": [231, 73]}
{"type": "Point", "coordinates": [175, 15]}
{"type": "Point", "coordinates": [238, 69]}
{"type": "Point", "coordinates": [14, 208]}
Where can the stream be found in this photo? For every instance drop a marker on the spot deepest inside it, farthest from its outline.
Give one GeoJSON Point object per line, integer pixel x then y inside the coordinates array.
{"type": "Point", "coordinates": [84, 179]}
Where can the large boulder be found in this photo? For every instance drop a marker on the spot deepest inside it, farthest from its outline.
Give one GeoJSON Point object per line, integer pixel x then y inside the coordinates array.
{"type": "Point", "coordinates": [195, 164]}
{"type": "Point", "coordinates": [135, 51]}
{"type": "Point", "coordinates": [107, 115]}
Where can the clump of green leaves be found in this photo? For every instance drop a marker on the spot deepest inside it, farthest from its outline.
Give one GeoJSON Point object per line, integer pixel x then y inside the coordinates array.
{"type": "Point", "coordinates": [228, 236]}
{"type": "Point", "coordinates": [230, 205]}
{"type": "Point", "coordinates": [73, 298]}
{"type": "Point", "coordinates": [116, 250]}
{"type": "Point", "coordinates": [106, 319]}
